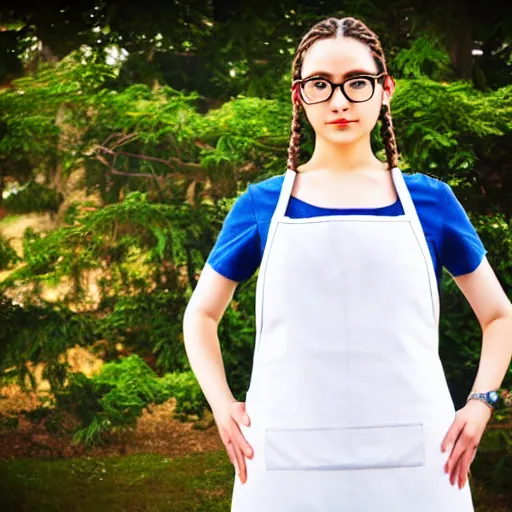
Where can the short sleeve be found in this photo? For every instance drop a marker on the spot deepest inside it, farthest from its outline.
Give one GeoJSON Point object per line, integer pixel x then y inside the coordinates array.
{"type": "Point", "coordinates": [236, 253]}
{"type": "Point", "coordinates": [461, 250]}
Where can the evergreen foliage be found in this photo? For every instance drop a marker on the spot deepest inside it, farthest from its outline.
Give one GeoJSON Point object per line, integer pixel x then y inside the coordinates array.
{"type": "Point", "coordinates": [117, 396]}
{"type": "Point", "coordinates": [167, 170]}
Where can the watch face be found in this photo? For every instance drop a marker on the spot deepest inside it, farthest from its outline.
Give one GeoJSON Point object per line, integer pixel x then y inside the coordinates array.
{"type": "Point", "coordinates": [493, 396]}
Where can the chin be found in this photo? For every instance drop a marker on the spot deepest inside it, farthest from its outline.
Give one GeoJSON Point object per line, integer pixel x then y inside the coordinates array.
{"type": "Point", "coordinates": [344, 137]}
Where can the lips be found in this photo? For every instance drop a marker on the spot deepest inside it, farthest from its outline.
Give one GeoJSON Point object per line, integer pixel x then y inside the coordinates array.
{"type": "Point", "coordinates": [342, 121]}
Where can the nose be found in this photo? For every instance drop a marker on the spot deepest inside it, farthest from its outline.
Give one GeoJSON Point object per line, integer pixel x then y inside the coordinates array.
{"type": "Point", "coordinates": [338, 99]}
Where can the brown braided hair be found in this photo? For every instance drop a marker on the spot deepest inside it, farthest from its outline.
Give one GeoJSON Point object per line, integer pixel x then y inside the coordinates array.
{"type": "Point", "coordinates": [329, 28]}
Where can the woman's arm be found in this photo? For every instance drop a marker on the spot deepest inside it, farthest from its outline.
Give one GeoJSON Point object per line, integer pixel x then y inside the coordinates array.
{"type": "Point", "coordinates": [204, 311]}
{"type": "Point", "coordinates": [494, 313]}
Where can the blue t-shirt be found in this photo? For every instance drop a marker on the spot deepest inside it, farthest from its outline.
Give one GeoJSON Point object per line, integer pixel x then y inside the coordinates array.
{"type": "Point", "coordinates": [451, 238]}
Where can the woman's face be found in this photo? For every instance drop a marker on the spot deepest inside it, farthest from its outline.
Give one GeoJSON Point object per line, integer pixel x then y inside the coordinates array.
{"type": "Point", "coordinates": [334, 59]}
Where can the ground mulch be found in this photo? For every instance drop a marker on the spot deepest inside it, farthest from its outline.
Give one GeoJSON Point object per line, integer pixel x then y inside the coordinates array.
{"type": "Point", "coordinates": [157, 431]}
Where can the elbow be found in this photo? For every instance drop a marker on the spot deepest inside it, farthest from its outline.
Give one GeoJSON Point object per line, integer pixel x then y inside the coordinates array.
{"type": "Point", "coordinates": [503, 314]}
{"type": "Point", "coordinates": [506, 312]}
{"type": "Point", "coordinates": [193, 316]}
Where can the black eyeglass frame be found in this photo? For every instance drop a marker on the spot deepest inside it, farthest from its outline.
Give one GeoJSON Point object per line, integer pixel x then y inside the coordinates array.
{"type": "Point", "coordinates": [372, 78]}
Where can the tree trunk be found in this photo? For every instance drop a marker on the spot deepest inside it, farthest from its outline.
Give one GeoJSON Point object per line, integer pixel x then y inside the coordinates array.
{"type": "Point", "coordinates": [461, 43]}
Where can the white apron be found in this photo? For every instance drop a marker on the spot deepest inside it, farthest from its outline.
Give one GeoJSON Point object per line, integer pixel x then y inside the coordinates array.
{"type": "Point", "coordinates": [348, 399]}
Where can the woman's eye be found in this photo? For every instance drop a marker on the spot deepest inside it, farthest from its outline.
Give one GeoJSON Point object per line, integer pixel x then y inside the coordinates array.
{"type": "Point", "coordinates": [358, 84]}
{"type": "Point", "coordinates": [320, 85]}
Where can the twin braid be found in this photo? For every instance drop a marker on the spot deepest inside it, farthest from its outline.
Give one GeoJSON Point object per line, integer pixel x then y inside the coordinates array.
{"type": "Point", "coordinates": [334, 27]}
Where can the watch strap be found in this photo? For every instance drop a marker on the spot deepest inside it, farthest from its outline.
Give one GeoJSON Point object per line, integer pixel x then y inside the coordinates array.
{"type": "Point", "coordinates": [490, 398]}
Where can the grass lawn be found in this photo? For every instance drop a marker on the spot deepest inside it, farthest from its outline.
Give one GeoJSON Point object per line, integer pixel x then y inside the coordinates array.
{"type": "Point", "coordinates": [142, 483]}
{"type": "Point", "coordinates": [199, 482]}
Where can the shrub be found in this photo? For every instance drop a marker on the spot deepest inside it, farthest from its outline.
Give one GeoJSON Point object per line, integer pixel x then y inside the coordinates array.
{"type": "Point", "coordinates": [8, 255]}
{"type": "Point", "coordinates": [114, 398]}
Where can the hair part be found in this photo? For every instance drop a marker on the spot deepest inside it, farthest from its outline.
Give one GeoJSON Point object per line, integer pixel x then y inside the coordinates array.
{"type": "Point", "coordinates": [337, 28]}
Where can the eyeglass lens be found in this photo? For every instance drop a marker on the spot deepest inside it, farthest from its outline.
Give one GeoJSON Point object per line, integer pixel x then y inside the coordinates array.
{"type": "Point", "coordinates": [357, 89]}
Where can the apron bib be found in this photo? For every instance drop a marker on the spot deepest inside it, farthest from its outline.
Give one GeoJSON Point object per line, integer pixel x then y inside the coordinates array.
{"type": "Point", "coordinates": [348, 399]}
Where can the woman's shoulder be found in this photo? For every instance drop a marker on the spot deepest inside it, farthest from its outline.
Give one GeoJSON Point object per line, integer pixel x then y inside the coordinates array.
{"type": "Point", "coordinates": [426, 189]}
{"type": "Point", "coordinates": [423, 188]}
{"type": "Point", "coordinates": [265, 193]}
{"type": "Point", "coordinates": [422, 180]}
{"type": "Point", "coordinates": [416, 180]}
{"type": "Point", "coordinates": [269, 185]}
{"type": "Point", "coordinates": [446, 223]}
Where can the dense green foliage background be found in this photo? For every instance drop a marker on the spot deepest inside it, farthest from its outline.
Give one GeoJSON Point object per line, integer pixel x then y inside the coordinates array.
{"type": "Point", "coordinates": [161, 144]}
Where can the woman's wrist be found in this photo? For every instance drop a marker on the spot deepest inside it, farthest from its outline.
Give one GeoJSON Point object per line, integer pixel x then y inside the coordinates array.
{"type": "Point", "coordinates": [222, 403]}
{"type": "Point", "coordinates": [479, 405]}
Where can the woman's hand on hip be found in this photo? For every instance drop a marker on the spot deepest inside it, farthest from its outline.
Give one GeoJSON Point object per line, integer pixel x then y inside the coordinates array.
{"type": "Point", "coordinates": [228, 419]}
{"type": "Point", "coordinates": [463, 438]}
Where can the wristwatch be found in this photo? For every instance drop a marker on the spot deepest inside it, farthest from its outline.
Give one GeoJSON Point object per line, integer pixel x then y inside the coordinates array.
{"type": "Point", "coordinates": [490, 398]}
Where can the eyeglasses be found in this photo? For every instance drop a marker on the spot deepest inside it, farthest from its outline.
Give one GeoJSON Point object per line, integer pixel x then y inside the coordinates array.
{"type": "Point", "coordinates": [356, 89]}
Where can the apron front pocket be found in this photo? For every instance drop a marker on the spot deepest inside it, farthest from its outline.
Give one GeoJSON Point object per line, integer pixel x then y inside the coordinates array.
{"type": "Point", "coordinates": [364, 447]}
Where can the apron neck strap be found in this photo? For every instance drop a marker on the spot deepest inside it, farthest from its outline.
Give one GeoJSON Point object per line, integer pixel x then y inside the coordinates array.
{"type": "Point", "coordinates": [286, 192]}
{"type": "Point", "coordinates": [403, 193]}
{"type": "Point", "coordinates": [398, 180]}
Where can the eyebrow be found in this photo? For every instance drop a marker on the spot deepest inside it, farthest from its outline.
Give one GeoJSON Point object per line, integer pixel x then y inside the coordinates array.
{"type": "Point", "coordinates": [354, 72]}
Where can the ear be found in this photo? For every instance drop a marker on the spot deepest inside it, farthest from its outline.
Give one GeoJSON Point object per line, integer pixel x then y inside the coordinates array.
{"type": "Point", "coordinates": [389, 88]}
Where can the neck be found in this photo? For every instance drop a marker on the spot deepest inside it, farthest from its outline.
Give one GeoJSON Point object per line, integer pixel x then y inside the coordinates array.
{"type": "Point", "coordinates": [343, 158]}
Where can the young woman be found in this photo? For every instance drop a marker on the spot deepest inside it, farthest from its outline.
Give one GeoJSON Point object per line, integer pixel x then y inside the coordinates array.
{"type": "Point", "coordinates": [348, 408]}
